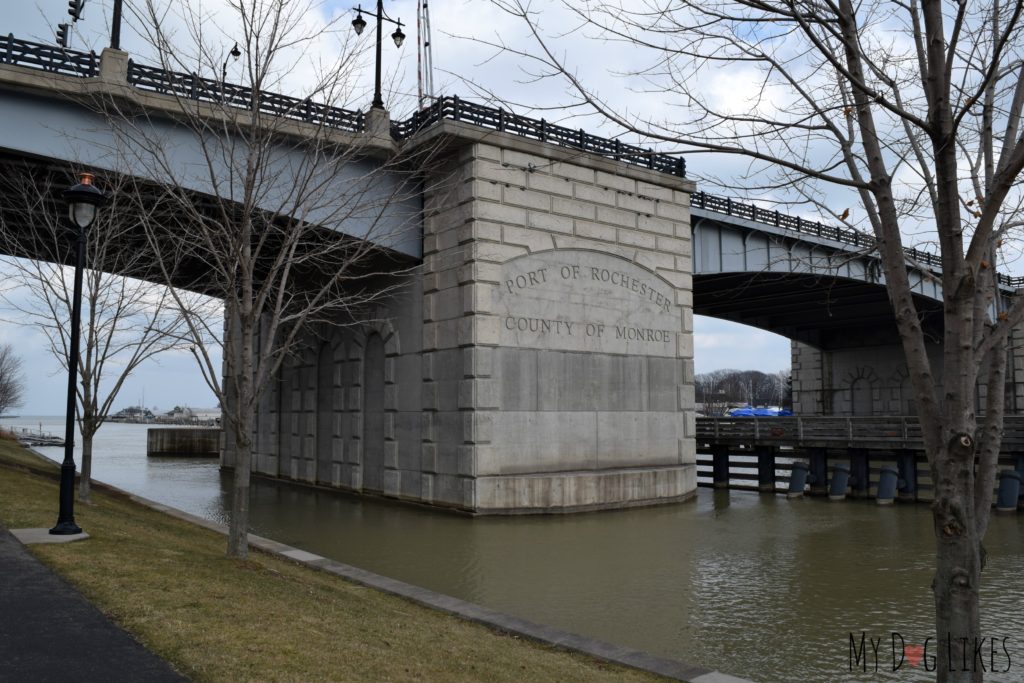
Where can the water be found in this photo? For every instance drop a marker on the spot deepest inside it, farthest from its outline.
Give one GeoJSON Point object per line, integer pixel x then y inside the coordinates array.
{"type": "Point", "coordinates": [750, 584]}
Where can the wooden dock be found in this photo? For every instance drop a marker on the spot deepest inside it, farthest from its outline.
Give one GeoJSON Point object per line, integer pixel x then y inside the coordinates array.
{"type": "Point", "coordinates": [35, 438]}
{"type": "Point", "coordinates": [756, 454]}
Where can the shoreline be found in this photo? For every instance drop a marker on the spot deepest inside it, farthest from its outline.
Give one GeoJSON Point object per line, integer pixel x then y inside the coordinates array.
{"type": "Point", "coordinates": [492, 619]}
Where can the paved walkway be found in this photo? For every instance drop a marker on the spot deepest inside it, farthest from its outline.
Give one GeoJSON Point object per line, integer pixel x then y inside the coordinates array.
{"type": "Point", "coordinates": [50, 632]}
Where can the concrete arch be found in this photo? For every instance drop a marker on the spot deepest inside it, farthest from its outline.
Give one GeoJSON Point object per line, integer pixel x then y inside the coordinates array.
{"type": "Point", "coordinates": [375, 447]}
{"type": "Point", "coordinates": [857, 392]}
{"type": "Point", "coordinates": [813, 290]}
{"type": "Point", "coordinates": [326, 392]}
{"type": "Point", "coordinates": [903, 390]}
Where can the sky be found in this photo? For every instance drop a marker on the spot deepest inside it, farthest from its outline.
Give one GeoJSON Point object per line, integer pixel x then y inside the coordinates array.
{"type": "Point", "coordinates": [464, 65]}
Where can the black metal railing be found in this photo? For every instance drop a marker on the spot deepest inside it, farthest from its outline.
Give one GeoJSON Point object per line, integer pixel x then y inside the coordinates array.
{"type": "Point", "coordinates": [194, 87]}
{"type": "Point", "coordinates": [154, 79]}
{"type": "Point", "coordinates": [856, 238]}
{"type": "Point", "coordinates": [730, 207]}
{"type": "Point", "coordinates": [48, 57]}
{"type": "Point", "coordinates": [496, 118]}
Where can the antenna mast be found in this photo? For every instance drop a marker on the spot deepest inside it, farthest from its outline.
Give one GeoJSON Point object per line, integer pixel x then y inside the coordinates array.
{"type": "Point", "coordinates": [423, 52]}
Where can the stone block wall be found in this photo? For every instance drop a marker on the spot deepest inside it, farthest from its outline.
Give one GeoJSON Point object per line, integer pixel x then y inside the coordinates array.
{"type": "Point", "coordinates": [558, 358]}
{"type": "Point", "coordinates": [874, 380]}
{"type": "Point", "coordinates": [311, 421]}
{"type": "Point", "coordinates": [540, 360]}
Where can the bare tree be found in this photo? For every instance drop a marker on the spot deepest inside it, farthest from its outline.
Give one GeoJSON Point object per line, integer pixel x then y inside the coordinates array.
{"type": "Point", "coordinates": [12, 382]}
{"type": "Point", "coordinates": [719, 389]}
{"type": "Point", "coordinates": [125, 322]}
{"type": "Point", "coordinates": [289, 211]}
{"type": "Point", "coordinates": [908, 112]}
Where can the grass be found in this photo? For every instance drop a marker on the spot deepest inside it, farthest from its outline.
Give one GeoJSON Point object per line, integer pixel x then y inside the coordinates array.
{"type": "Point", "coordinates": [11, 452]}
{"type": "Point", "coordinates": [264, 619]}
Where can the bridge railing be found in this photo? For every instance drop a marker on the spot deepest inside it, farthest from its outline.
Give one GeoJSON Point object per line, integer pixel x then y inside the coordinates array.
{"type": "Point", "coordinates": [48, 57]}
{"type": "Point", "coordinates": [496, 118]}
{"type": "Point", "coordinates": [195, 87]}
{"type": "Point", "coordinates": [754, 213]}
{"type": "Point", "coordinates": [856, 238]}
{"type": "Point", "coordinates": [154, 79]}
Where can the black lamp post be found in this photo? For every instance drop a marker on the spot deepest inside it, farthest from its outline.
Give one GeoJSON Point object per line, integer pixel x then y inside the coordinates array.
{"type": "Point", "coordinates": [234, 54]}
{"type": "Point", "coordinates": [358, 24]}
{"type": "Point", "coordinates": [83, 199]}
{"type": "Point", "coordinates": [115, 26]}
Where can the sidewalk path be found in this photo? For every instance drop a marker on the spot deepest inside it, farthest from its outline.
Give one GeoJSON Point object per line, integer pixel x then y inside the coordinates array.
{"type": "Point", "coordinates": [50, 632]}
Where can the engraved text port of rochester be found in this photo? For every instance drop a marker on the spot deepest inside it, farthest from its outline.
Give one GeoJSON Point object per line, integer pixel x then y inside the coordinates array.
{"type": "Point", "coordinates": [586, 301]}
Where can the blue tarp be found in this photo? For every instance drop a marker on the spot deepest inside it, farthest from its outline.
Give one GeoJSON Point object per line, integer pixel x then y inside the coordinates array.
{"type": "Point", "coordinates": [747, 411]}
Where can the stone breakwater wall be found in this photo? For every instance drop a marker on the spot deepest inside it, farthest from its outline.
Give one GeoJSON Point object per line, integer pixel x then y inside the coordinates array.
{"type": "Point", "coordinates": [183, 442]}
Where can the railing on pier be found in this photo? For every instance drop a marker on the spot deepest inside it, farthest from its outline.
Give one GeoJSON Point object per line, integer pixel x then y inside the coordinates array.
{"type": "Point", "coordinates": [34, 437]}
{"type": "Point", "coordinates": [824, 432]}
{"type": "Point", "coordinates": [496, 118]}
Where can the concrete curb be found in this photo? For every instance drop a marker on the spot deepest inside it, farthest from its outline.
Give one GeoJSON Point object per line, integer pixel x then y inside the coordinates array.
{"type": "Point", "coordinates": [499, 621]}
{"type": "Point", "coordinates": [43, 536]}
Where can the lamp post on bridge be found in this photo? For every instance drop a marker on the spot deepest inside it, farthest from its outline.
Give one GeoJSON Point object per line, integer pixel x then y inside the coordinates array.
{"type": "Point", "coordinates": [83, 200]}
{"type": "Point", "coordinates": [358, 24]}
{"type": "Point", "coordinates": [234, 54]}
{"type": "Point", "coordinates": [115, 26]}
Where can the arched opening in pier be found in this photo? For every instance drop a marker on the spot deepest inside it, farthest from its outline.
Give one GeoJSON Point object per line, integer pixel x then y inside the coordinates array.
{"type": "Point", "coordinates": [373, 413]}
{"type": "Point", "coordinates": [325, 386]}
{"type": "Point", "coordinates": [860, 397]}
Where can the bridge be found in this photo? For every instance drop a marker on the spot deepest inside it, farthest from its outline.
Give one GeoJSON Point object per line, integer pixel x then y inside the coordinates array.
{"type": "Point", "coordinates": [541, 357]}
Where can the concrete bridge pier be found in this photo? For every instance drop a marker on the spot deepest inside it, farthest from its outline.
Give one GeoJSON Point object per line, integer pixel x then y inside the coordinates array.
{"type": "Point", "coordinates": [869, 378]}
{"type": "Point", "coordinates": [540, 360]}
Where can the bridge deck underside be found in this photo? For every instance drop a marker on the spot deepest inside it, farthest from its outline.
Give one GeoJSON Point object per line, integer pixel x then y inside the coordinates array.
{"type": "Point", "coordinates": [31, 207]}
{"type": "Point", "coordinates": [823, 311]}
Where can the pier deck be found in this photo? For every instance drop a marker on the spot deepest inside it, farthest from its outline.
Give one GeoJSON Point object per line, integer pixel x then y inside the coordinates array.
{"type": "Point", "coordinates": [756, 454]}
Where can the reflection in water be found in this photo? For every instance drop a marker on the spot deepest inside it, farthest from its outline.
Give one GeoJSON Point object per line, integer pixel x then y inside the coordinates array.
{"type": "Point", "coordinates": [755, 585]}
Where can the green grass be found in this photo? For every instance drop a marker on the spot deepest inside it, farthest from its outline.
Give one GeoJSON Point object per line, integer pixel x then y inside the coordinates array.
{"type": "Point", "coordinates": [264, 619]}
{"type": "Point", "coordinates": [12, 453]}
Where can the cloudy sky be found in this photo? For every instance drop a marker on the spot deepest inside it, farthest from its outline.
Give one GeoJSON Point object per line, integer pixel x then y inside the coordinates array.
{"type": "Point", "coordinates": [465, 64]}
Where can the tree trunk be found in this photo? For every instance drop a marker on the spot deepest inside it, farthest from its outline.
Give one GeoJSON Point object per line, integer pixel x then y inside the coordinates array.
{"type": "Point", "coordinates": [238, 529]}
{"type": "Point", "coordinates": [958, 564]}
{"type": "Point", "coordinates": [239, 333]}
{"type": "Point", "coordinates": [85, 480]}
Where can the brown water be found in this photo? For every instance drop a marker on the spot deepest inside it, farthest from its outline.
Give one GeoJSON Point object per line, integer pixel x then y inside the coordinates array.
{"type": "Point", "coordinates": [750, 584]}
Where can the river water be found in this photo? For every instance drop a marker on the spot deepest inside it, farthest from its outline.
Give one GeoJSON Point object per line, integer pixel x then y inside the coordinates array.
{"type": "Point", "coordinates": [750, 584]}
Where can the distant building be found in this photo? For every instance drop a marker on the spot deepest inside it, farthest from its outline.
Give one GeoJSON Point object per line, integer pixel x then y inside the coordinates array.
{"type": "Point", "coordinates": [133, 414]}
{"type": "Point", "coordinates": [195, 416]}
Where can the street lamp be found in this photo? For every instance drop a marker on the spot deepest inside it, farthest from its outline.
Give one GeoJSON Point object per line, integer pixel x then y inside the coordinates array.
{"type": "Point", "coordinates": [83, 200]}
{"type": "Point", "coordinates": [358, 24]}
{"type": "Point", "coordinates": [115, 26]}
{"type": "Point", "coordinates": [235, 53]}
